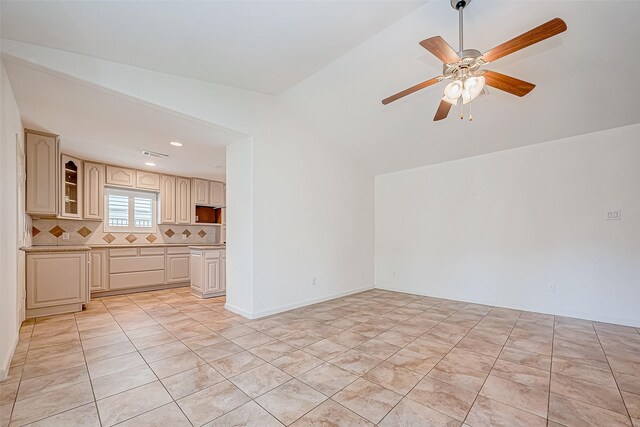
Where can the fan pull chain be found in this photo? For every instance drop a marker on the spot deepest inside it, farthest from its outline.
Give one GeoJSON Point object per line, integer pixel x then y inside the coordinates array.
{"type": "Point", "coordinates": [470, 115]}
{"type": "Point", "coordinates": [461, 113]}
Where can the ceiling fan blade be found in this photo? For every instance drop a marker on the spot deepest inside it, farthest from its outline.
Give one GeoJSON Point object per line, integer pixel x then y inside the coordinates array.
{"type": "Point", "coordinates": [441, 49]}
{"type": "Point", "coordinates": [507, 83]}
{"type": "Point", "coordinates": [443, 110]}
{"type": "Point", "coordinates": [411, 90]}
{"type": "Point", "coordinates": [542, 32]}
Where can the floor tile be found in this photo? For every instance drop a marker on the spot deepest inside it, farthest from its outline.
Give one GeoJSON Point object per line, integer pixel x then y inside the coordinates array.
{"type": "Point", "coordinates": [212, 402]}
{"type": "Point", "coordinates": [54, 402]}
{"type": "Point", "coordinates": [176, 364]}
{"type": "Point", "coordinates": [571, 413]}
{"type": "Point", "coordinates": [521, 374]}
{"type": "Point", "coordinates": [356, 362]}
{"type": "Point", "coordinates": [163, 351]}
{"type": "Point", "coordinates": [632, 402]}
{"type": "Point", "coordinates": [252, 340]}
{"type": "Point", "coordinates": [583, 372]}
{"type": "Point", "coordinates": [331, 414]}
{"type": "Point", "coordinates": [470, 359]}
{"type": "Point", "coordinates": [52, 364]}
{"type": "Point", "coordinates": [533, 400]}
{"type": "Point", "coordinates": [326, 349]}
{"type": "Point", "coordinates": [290, 401]}
{"type": "Point", "coordinates": [83, 416]}
{"type": "Point", "coordinates": [414, 361]}
{"type": "Point", "coordinates": [487, 412]}
{"type": "Point", "coordinates": [458, 375]}
{"type": "Point", "coordinates": [297, 363]}
{"type": "Point", "coordinates": [445, 398]}
{"type": "Point", "coordinates": [191, 381]}
{"type": "Point", "coordinates": [260, 380]}
{"type": "Point", "coordinates": [131, 403]}
{"type": "Point", "coordinates": [377, 348]}
{"type": "Point", "coordinates": [328, 379]}
{"type": "Point", "coordinates": [104, 367]}
{"type": "Point", "coordinates": [148, 341]}
{"type": "Point", "coordinates": [393, 377]}
{"type": "Point", "coordinates": [118, 382]}
{"type": "Point", "coordinates": [167, 415]}
{"type": "Point", "coordinates": [411, 413]}
{"type": "Point", "coordinates": [249, 414]}
{"type": "Point", "coordinates": [237, 363]}
{"type": "Point", "coordinates": [532, 360]}
{"type": "Point", "coordinates": [590, 393]}
{"type": "Point", "coordinates": [218, 351]}
{"type": "Point", "coordinates": [272, 350]}
{"type": "Point", "coordinates": [367, 399]}
{"type": "Point", "coordinates": [51, 382]}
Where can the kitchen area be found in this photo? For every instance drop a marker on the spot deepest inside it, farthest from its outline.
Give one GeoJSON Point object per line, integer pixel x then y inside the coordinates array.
{"type": "Point", "coordinates": [101, 229]}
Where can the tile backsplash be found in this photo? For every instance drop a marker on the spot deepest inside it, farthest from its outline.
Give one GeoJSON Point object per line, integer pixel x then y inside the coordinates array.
{"type": "Point", "coordinates": [51, 232]}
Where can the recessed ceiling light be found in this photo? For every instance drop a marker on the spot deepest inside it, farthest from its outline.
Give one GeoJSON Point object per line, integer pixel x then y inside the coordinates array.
{"type": "Point", "coordinates": [150, 164]}
{"type": "Point", "coordinates": [176, 143]}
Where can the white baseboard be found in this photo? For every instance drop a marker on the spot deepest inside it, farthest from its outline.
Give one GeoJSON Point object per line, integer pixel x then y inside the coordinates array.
{"type": "Point", "coordinates": [6, 362]}
{"type": "Point", "coordinates": [524, 307]}
{"type": "Point", "coordinates": [288, 307]}
{"type": "Point", "coordinates": [238, 310]}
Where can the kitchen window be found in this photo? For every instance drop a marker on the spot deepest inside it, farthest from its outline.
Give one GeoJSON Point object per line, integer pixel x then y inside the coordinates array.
{"type": "Point", "coordinates": [129, 211]}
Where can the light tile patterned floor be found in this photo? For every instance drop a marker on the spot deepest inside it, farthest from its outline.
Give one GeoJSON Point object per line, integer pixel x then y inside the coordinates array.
{"type": "Point", "coordinates": [377, 357]}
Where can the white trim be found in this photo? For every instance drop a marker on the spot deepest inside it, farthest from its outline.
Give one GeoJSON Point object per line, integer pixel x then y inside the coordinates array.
{"type": "Point", "coordinates": [6, 364]}
{"type": "Point", "coordinates": [524, 307]}
{"type": "Point", "coordinates": [288, 307]}
{"type": "Point", "coordinates": [238, 310]}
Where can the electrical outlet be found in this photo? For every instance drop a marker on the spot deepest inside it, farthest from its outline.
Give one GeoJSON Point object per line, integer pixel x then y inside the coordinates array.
{"type": "Point", "coordinates": [65, 236]}
{"type": "Point", "coordinates": [614, 215]}
{"type": "Point", "coordinates": [313, 281]}
{"type": "Point", "coordinates": [551, 287]}
{"type": "Point", "coordinates": [184, 237]}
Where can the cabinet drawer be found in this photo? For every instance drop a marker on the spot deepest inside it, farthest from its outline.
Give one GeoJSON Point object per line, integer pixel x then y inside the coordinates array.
{"type": "Point", "coordinates": [132, 280]}
{"type": "Point", "coordinates": [178, 250]}
{"type": "Point", "coordinates": [211, 254]}
{"type": "Point", "coordinates": [151, 251]}
{"type": "Point", "coordinates": [140, 263]}
{"type": "Point", "coordinates": [123, 252]}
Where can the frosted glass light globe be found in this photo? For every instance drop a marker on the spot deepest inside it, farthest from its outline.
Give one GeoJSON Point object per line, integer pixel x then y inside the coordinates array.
{"type": "Point", "coordinates": [453, 90]}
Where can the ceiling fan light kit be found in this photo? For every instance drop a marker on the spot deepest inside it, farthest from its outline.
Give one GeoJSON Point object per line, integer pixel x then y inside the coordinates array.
{"type": "Point", "coordinates": [463, 67]}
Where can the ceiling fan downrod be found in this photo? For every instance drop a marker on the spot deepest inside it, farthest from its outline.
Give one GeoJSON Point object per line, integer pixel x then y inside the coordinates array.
{"type": "Point", "coordinates": [460, 7]}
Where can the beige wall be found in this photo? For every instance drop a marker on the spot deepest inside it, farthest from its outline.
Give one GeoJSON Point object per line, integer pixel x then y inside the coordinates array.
{"type": "Point", "coordinates": [12, 219]}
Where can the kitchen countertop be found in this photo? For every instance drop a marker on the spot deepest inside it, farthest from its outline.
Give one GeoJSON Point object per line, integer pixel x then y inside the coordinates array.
{"type": "Point", "coordinates": [205, 247]}
{"type": "Point", "coordinates": [72, 248]}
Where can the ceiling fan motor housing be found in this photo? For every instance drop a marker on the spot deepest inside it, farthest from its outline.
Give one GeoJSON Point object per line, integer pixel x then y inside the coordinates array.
{"type": "Point", "coordinates": [470, 62]}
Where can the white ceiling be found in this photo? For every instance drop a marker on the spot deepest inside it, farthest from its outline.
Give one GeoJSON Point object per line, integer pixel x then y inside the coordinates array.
{"type": "Point", "coordinates": [585, 81]}
{"type": "Point", "coordinates": [94, 123]}
{"type": "Point", "coordinates": [265, 46]}
{"type": "Point", "coordinates": [585, 76]}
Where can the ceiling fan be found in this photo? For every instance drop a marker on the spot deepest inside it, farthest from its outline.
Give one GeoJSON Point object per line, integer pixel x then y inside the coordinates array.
{"type": "Point", "coordinates": [464, 67]}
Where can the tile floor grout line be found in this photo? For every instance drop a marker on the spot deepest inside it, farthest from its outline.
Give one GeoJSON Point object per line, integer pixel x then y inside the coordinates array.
{"type": "Point", "coordinates": [612, 374]}
{"type": "Point", "coordinates": [492, 366]}
{"type": "Point", "coordinates": [86, 366]}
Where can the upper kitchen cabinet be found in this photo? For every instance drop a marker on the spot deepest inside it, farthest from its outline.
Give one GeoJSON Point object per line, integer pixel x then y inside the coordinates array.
{"type": "Point", "coordinates": [200, 191]}
{"type": "Point", "coordinates": [121, 176]}
{"type": "Point", "coordinates": [71, 186]}
{"type": "Point", "coordinates": [42, 173]}
{"type": "Point", "coordinates": [167, 200]}
{"type": "Point", "coordinates": [216, 193]}
{"type": "Point", "coordinates": [183, 201]}
{"type": "Point", "coordinates": [93, 201]}
{"type": "Point", "coordinates": [147, 180]}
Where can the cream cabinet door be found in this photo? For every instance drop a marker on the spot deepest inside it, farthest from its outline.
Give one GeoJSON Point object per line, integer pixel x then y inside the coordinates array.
{"type": "Point", "coordinates": [147, 180]}
{"type": "Point", "coordinates": [42, 173]}
{"type": "Point", "coordinates": [223, 270]}
{"type": "Point", "coordinates": [212, 275]}
{"type": "Point", "coordinates": [56, 279]}
{"type": "Point", "coordinates": [183, 201]}
{"type": "Point", "coordinates": [121, 176]}
{"type": "Point", "coordinates": [177, 268]}
{"type": "Point", "coordinates": [98, 270]}
{"type": "Point", "coordinates": [71, 194]}
{"type": "Point", "coordinates": [216, 193]}
{"type": "Point", "coordinates": [200, 191]}
{"type": "Point", "coordinates": [93, 200]}
{"type": "Point", "coordinates": [167, 199]}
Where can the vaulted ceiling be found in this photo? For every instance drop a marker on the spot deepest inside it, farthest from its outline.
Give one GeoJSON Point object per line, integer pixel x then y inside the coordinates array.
{"type": "Point", "coordinates": [332, 62]}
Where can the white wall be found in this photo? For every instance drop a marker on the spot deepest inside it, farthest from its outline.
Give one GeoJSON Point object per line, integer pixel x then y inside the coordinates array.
{"type": "Point", "coordinates": [499, 228]}
{"type": "Point", "coordinates": [313, 217]}
{"type": "Point", "coordinates": [11, 278]}
{"type": "Point", "coordinates": [239, 235]}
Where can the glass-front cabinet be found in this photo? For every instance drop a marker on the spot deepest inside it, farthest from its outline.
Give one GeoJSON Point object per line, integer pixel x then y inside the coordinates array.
{"type": "Point", "coordinates": [71, 203]}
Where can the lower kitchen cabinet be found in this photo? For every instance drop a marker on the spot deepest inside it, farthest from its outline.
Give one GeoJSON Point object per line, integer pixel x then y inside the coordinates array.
{"type": "Point", "coordinates": [208, 272]}
{"type": "Point", "coordinates": [177, 265]}
{"type": "Point", "coordinates": [57, 282]}
{"type": "Point", "coordinates": [98, 270]}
